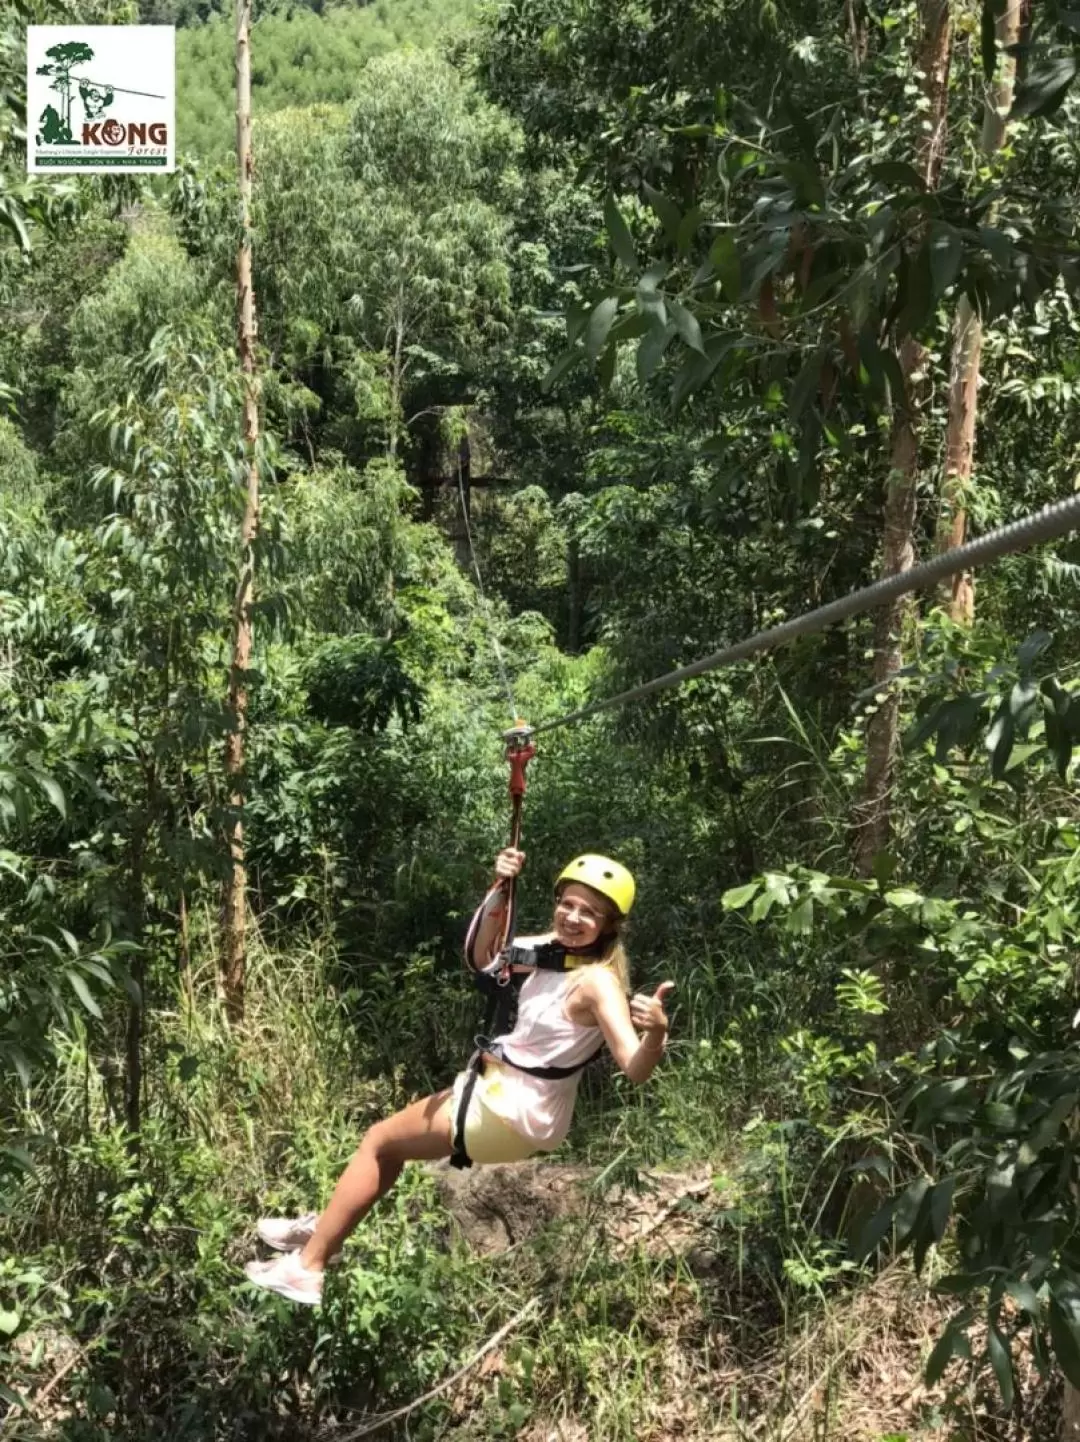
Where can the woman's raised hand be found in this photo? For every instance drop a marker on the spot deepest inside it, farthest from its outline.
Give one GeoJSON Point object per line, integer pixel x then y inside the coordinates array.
{"type": "Point", "coordinates": [647, 1012]}
{"type": "Point", "coordinates": [508, 864]}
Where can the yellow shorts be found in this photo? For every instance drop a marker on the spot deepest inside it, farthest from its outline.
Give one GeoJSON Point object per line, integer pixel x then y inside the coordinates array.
{"type": "Point", "coordinates": [488, 1137]}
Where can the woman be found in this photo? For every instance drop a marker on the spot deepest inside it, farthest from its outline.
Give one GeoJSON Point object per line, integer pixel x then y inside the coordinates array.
{"type": "Point", "coordinates": [572, 1002]}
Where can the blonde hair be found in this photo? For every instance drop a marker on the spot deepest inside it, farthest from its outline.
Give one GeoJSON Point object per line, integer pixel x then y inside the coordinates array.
{"type": "Point", "coordinates": [616, 960]}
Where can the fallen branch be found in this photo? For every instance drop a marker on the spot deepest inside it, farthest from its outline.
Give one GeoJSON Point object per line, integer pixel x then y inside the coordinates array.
{"type": "Point", "coordinates": [491, 1343]}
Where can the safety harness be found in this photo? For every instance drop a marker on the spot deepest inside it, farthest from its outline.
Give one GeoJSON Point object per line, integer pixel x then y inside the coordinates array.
{"type": "Point", "coordinates": [501, 982]}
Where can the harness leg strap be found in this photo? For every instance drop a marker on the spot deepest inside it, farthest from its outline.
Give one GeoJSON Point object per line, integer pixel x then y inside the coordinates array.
{"type": "Point", "coordinates": [459, 1157]}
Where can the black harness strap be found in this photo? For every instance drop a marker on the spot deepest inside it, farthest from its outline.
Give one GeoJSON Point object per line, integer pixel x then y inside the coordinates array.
{"type": "Point", "coordinates": [501, 985]}
{"type": "Point", "coordinates": [485, 1047]}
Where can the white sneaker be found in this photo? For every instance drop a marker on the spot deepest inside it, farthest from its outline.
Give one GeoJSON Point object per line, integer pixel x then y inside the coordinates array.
{"type": "Point", "coordinates": [288, 1277]}
{"type": "Point", "coordinates": [291, 1234]}
{"type": "Point", "coordinates": [287, 1234]}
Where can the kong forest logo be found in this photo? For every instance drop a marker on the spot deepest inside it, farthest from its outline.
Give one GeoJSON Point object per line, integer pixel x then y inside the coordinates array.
{"type": "Point", "coordinates": [101, 98]}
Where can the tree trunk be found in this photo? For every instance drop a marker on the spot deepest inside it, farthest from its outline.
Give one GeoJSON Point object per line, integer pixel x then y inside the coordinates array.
{"type": "Point", "coordinates": [967, 340]}
{"type": "Point", "coordinates": [873, 816]}
{"type": "Point", "coordinates": [573, 580]}
{"type": "Point", "coordinates": [1070, 1414]}
{"type": "Point", "coordinates": [397, 380]}
{"type": "Point", "coordinates": [464, 475]}
{"type": "Point", "coordinates": [858, 32]}
{"type": "Point", "coordinates": [236, 887]}
{"type": "Point", "coordinates": [133, 1059]}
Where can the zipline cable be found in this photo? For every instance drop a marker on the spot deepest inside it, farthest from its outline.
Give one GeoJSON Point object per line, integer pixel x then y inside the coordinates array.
{"type": "Point", "coordinates": [1046, 525]}
{"type": "Point", "coordinates": [483, 598]}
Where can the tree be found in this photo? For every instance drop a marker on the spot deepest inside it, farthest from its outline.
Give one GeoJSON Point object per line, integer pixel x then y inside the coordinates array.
{"type": "Point", "coordinates": [968, 333]}
{"type": "Point", "coordinates": [236, 888]}
{"type": "Point", "coordinates": [64, 59]}
{"type": "Point", "coordinates": [873, 812]}
{"type": "Point", "coordinates": [435, 176]}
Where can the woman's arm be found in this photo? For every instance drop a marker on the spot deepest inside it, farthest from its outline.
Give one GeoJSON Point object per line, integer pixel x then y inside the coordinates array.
{"type": "Point", "coordinates": [616, 1018]}
{"type": "Point", "coordinates": [485, 941]}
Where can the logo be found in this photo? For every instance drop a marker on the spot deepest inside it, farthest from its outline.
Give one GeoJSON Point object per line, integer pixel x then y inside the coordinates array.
{"type": "Point", "coordinates": [100, 98]}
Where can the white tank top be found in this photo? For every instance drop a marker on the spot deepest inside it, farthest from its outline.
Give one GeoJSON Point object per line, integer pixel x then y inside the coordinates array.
{"type": "Point", "coordinates": [543, 1035]}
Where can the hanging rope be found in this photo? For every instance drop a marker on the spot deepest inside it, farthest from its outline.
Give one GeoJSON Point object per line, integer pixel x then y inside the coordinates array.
{"type": "Point", "coordinates": [1045, 525]}
{"type": "Point", "coordinates": [483, 597]}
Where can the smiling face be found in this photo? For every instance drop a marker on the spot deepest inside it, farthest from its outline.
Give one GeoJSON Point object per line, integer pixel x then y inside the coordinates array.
{"type": "Point", "coordinates": [581, 916]}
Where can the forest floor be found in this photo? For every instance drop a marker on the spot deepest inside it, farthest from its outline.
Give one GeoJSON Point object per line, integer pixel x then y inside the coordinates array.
{"type": "Point", "coordinates": [732, 1370]}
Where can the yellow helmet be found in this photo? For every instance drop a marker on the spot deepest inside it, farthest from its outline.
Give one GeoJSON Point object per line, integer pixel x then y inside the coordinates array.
{"type": "Point", "coordinates": [607, 877]}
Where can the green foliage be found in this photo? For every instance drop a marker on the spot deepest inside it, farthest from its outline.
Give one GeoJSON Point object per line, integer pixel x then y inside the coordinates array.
{"type": "Point", "coordinates": [302, 55]}
{"type": "Point", "coordinates": [729, 211]}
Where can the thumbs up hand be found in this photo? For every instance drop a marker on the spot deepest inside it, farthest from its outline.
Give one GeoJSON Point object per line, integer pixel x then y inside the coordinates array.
{"type": "Point", "coordinates": [647, 1012]}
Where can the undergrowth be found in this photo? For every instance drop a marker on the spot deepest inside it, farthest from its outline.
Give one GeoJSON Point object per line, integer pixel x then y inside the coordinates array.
{"type": "Point", "coordinates": [125, 1311]}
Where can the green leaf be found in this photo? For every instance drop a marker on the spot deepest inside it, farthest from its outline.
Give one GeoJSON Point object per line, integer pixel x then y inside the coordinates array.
{"type": "Point", "coordinates": [669, 214]}
{"type": "Point", "coordinates": [919, 298]}
{"type": "Point", "coordinates": [600, 323]}
{"type": "Point", "coordinates": [806, 383]}
{"type": "Point", "coordinates": [605, 367]}
{"type": "Point", "coordinates": [1001, 1361]}
{"type": "Point", "coordinates": [688, 228]}
{"type": "Point", "coordinates": [1065, 1337]}
{"type": "Point", "coordinates": [899, 174]}
{"type": "Point", "coordinates": [82, 991]}
{"type": "Point", "coordinates": [686, 324]}
{"type": "Point", "coordinates": [999, 741]}
{"type": "Point", "coordinates": [957, 723]}
{"type": "Point", "coordinates": [650, 351]}
{"type": "Point", "coordinates": [904, 896]}
{"type": "Point", "coordinates": [9, 1321]}
{"type": "Point", "coordinates": [725, 257]}
{"type": "Point", "coordinates": [952, 1342]}
{"type": "Point", "coordinates": [622, 242]}
{"type": "Point", "coordinates": [52, 790]}
{"type": "Point", "coordinates": [1059, 736]}
{"type": "Point", "coordinates": [560, 367]}
{"type": "Point", "coordinates": [629, 326]}
{"type": "Point", "coordinates": [1047, 1129]}
{"type": "Point", "coordinates": [738, 896]}
{"type": "Point", "coordinates": [1031, 649]}
{"type": "Point", "coordinates": [1024, 707]}
{"type": "Point", "coordinates": [690, 377]}
{"type": "Point", "coordinates": [997, 1114]}
{"type": "Point", "coordinates": [908, 1208]}
{"type": "Point", "coordinates": [940, 1204]}
{"type": "Point", "coordinates": [801, 919]}
{"type": "Point", "coordinates": [875, 1230]}
{"type": "Point", "coordinates": [12, 1398]}
{"type": "Point", "coordinates": [946, 253]}
{"type": "Point", "coordinates": [11, 217]}
{"type": "Point", "coordinates": [1044, 88]}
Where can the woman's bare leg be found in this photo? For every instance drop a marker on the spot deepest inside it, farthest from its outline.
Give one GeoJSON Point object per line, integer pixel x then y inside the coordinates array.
{"type": "Point", "coordinates": [422, 1132]}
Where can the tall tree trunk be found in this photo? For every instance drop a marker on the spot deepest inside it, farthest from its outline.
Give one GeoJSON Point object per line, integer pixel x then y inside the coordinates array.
{"type": "Point", "coordinates": [133, 1056]}
{"type": "Point", "coordinates": [573, 582]}
{"type": "Point", "coordinates": [464, 477]}
{"type": "Point", "coordinates": [236, 887]}
{"type": "Point", "coordinates": [873, 817]}
{"type": "Point", "coordinates": [967, 339]}
{"type": "Point", "coordinates": [858, 30]}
